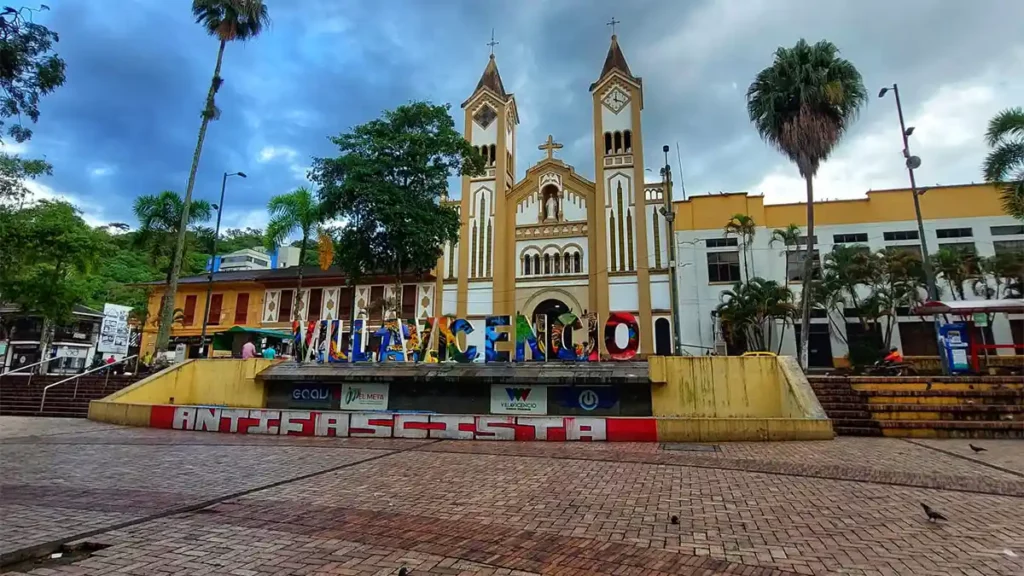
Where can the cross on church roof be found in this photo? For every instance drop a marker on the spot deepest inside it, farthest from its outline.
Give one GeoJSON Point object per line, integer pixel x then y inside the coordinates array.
{"type": "Point", "coordinates": [493, 42]}
{"type": "Point", "coordinates": [613, 23]}
{"type": "Point", "coordinates": [550, 146]}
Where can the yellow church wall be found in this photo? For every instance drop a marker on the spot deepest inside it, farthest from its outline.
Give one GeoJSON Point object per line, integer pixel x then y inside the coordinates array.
{"type": "Point", "coordinates": [709, 211]}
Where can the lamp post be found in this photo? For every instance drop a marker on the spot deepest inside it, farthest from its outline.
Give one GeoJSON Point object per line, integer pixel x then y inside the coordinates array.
{"type": "Point", "coordinates": [912, 163]}
{"type": "Point", "coordinates": [673, 282]}
{"type": "Point", "coordinates": [213, 255]}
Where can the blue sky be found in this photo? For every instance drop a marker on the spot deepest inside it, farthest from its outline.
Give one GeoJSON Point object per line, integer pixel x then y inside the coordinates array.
{"type": "Point", "coordinates": [125, 122]}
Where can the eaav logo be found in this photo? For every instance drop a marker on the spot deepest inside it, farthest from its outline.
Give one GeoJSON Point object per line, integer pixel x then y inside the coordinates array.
{"type": "Point", "coordinates": [518, 394]}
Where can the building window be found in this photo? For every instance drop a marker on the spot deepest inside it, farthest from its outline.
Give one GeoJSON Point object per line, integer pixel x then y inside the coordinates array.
{"type": "Point", "coordinates": [567, 264]}
{"type": "Point", "coordinates": [216, 303]}
{"type": "Point", "coordinates": [526, 265]}
{"type": "Point", "coordinates": [964, 248]}
{"type": "Point", "coordinates": [607, 142]}
{"type": "Point", "coordinates": [241, 308]}
{"type": "Point", "coordinates": [721, 242]}
{"type": "Point", "coordinates": [723, 266]}
{"type": "Point", "coordinates": [284, 310]}
{"type": "Point", "coordinates": [802, 241]}
{"type": "Point", "coordinates": [409, 301]}
{"type": "Point", "coordinates": [858, 238]}
{"type": "Point", "coordinates": [954, 233]}
{"type": "Point", "coordinates": [618, 142]}
{"type": "Point", "coordinates": [189, 312]}
{"type": "Point", "coordinates": [547, 264]}
{"type": "Point", "coordinates": [1008, 247]}
{"type": "Point", "coordinates": [316, 300]}
{"type": "Point", "coordinates": [577, 263]}
{"type": "Point", "coordinates": [1011, 230]}
{"type": "Point", "coordinates": [795, 265]}
{"type": "Point", "coordinates": [345, 304]}
{"type": "Point", "coordinates": [901, 235]}
{"type": "Point", "coordinates": [558, 263]}
{"type": "Point", "coordinates": [627, 138]}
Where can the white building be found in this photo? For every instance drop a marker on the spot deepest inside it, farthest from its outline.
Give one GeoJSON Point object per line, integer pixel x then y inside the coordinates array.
{"type": "Point", "coordinates": [710, 262]}
{"type": "Point", "coordinates": [257, 259]}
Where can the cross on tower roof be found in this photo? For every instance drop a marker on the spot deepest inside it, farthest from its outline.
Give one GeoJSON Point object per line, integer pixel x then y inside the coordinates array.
{"type": "Point", "coordinates": [550, 146]}
{"type": "Point", "coordinates": [613, 23]}
{"type": "Point", "coordinates": [493, 42]}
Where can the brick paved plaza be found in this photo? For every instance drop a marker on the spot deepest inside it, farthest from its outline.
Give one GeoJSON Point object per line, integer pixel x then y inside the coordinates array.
{"type": "Point", "coordinates": [170, 502]}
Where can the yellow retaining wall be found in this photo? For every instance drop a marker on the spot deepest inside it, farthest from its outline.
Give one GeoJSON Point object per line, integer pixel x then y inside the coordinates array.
{"type": "Point", "coordinates": [722, 398]}
{"type": "Point", "coordinates": [222, 382]}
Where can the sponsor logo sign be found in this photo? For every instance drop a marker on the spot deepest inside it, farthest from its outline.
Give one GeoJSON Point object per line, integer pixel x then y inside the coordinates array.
{"type": "Point", "coordinates": [364, 397]}
{"type": "Point", "coordinates": [519, 399]}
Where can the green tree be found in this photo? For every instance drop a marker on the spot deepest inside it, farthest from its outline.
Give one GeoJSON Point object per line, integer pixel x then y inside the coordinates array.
{"type": "Point", "coordinates": [955, 267]}
{"type": "Point", "coordinates": [802, 105]}
{"type": "Point", "coordinates": [1005, 163]}
{"type": "Point", "coordinates": [386, 184]}
{"type": "Point", "coordinates": [753, 309]}
{"type": "Point", "coordinates": [227, 20]}
{"type": "Point", "coordinates": [55, 250]}
{"type": "Point", "coordinates": [297, 211]}
{"type": "Point", "coordinates": [745, 228]}
{"type": "Point", "coordinates": [789, 237]}
{"type": "Point", "coordinates": [234, 239]}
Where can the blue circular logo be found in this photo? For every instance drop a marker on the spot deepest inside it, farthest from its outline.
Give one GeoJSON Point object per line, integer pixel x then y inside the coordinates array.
{"type": "Point", "coordinates": [588, 400]}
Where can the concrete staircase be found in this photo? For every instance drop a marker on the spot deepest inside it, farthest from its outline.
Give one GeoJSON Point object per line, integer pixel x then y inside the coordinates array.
{"type": "Point", "coordinates": [923, 407]}
{"type": "Point", "coordinates": [19, 397]}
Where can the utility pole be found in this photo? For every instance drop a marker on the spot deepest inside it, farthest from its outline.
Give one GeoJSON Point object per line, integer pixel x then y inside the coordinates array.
{"type": "Point", "coordinates": [673, 267]}
{"type": "Point", "coordinates": [213, 258]}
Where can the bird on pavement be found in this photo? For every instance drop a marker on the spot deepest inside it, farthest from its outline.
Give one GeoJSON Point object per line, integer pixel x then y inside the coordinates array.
{"type": "Point", "coordinates": [674, 519]}
{"type": "Point", "coordinates": [977, 448]}
{"type": "Point", "coordinates": [933, 515]}
{"type": "Point", "coordinates": [403, 571]}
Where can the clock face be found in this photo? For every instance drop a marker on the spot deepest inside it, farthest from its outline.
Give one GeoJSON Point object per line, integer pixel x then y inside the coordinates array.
{"type": "Point", "coordinates": [616, 100]}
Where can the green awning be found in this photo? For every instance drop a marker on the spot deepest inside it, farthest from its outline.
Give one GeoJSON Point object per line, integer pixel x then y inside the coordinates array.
{"type": "Point", "coordinates": [223, 340]}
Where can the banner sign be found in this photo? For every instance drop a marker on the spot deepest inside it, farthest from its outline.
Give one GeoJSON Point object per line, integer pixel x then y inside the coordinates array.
{"type": "Point", "coordinates": [364, 396]}
{"type": "Point", "coordinates": [504, 340]}
{"type": "Point", "coordinates": [114, 331]}
{"type": "Point", "coordinates": [385, 425]}
{"type": "Point", "coordinates": [519, 399]}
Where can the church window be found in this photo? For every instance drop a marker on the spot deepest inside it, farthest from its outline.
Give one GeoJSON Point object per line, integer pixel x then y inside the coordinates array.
{"type": "Point", "coordinates": [576, 263]}
{"type": "Point", "coordinates": [451, 259]}
{"type": "Point", "coordinates": [618, 142]}
{"type": "Point", "coordinates": [629, 235]}
{"type": "Point", "coordinates": [611, 237]}
{"type": "Point", "coordinates": [558, 264]}
{"type": "Point", "coordinates": [480, 239]}
{"type": "Point", "coordinates": [536, 264]}
{"type": "Point", "coordinates": [622, 236]}
{"type": "Point", "coordinates": [547, 264]}
{"type": "Point", "coordinates": [627, 140]}
{"type": "Point", "coordinates": [607, 142]}
{"type": "Point", "coordinates": [526, 266]}
{"type": "Point", "coordinates": [490, 231]}
{"type": "Point", "coordinates": [494, 155]}
{"type": "Point", "coordinates": [476, 248]}
{"type": "Point", "coordinates": [567, 263]}
{"type": "Point", "coordinates": [657, 240]}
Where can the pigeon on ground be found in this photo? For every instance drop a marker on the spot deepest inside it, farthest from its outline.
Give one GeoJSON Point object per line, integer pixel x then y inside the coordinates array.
{"type": "Point", "coordinates": [674, 519]}
{"type": "Point", "coordinates": [978, 448]}
{"type": "Point", "coordinates": [403, 571]}
{"type": "Point", "coordinates": [933, 515]}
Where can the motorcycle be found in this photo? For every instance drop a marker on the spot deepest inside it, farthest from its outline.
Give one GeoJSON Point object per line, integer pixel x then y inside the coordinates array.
{"type": "Point", "coordinates": [886, 368]}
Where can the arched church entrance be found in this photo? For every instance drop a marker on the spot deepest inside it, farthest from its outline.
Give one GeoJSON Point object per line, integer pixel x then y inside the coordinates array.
{"type": "Point", "coordinates": [552, 309]}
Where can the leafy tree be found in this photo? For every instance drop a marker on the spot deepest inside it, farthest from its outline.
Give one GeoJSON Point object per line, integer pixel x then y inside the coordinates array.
{"type": "Point", "coordinates": [802, 105]}
{"type": "Point", "coordinates": [789, 237]}
{"type": "Point", "coordinates": [55, 249]}
{"type": "Point", "coordinates": [386, 185]}
{"type": "Point", "coordinates": [999, 276]}
{"type": "Point", "coordinates": [1005, 163]}
{"type": "Point", "coordinates": [234, 239]}
{"type": "Point", "coordinates": [956, 267]}
{"type": "Point", "coordinates": [743, 226]}
{"type": "Point", "coordinates": [295, 211]}
{"type": "Point", "coordinates": [752, 309]}
{"type": "Point", "coordinates": [227, 20]}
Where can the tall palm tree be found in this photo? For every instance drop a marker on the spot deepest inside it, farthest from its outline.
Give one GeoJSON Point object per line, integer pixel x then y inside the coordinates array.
{"type": "Point", "coordinates": [803, 104]}
{"type": "Point", "coordinates": [1005, 163]}
{"type": "Point", "coordinates": [789, 236]}
{"type": "Point", "coordinates": [300, 211]}
{"type": "Point", "coordinates": [228, 20]}
{"type": "Point", "coordinates": [956, 267]}
{"type": "Point", "coordinates": [159, 218]}
{"type": "Point", "coordinates": [743, 225]}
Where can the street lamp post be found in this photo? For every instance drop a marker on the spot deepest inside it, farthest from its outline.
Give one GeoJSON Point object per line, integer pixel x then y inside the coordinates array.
{"type": "Point", "coordinates": [213, 256]}
{"type": "Point", "coordinates": [913, 162]}
{"type": "Point", "coordinates": [673, 282]}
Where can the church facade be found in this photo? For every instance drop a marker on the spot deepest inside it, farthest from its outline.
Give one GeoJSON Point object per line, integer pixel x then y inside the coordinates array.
{"type": "Point", "coordinates": [552, 241]}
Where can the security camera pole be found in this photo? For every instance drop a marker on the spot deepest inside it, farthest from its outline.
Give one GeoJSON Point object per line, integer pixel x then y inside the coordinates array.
{"type": "Point", "coordinates": [213, 258]}
{"type": "Point", "coordinates": [673, 282]}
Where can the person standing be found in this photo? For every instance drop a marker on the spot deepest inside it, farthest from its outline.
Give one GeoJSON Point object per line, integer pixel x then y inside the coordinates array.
{"type": "Point", "coordinates": [269, 353]}
{"type": "Point", "coordinates": [248, 350]}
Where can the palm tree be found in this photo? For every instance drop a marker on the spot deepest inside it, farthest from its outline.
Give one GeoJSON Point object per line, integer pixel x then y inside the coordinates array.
{"type": "Point", "coordinates": [751, 310]}
{"type": "Point", "coordinates": [803, 104]}
{"type": "Point", "coordinates": [1005, 163]}
{"type": "Point", "coordinates": [789, 236]}
{"type": "Point", "coordinates": [300, 211]}
{"type": "Point", "coordinates": [228, 20]}
{"type": "Point", "coordinates": [159, 218]}
{"type": "Point", "coordinates": [743, 226]}
{"type": "Point", "coordinates": [955, 267]}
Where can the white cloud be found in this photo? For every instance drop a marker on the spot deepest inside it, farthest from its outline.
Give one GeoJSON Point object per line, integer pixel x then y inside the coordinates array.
{"type": "Point", "coordinates": [101, 171]}
{"type": "Point", "coordinates": [271, 153]}
{"type": "Point", "coordinates": [948, 135]}
{"type": "Point", "coordinates": [92, 213]}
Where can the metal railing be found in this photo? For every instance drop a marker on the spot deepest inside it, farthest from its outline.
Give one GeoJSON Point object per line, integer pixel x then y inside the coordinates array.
{"type": "Point", "coordinates": [30, 374]}
{"type": "Point", "coordinates": [106, 367]}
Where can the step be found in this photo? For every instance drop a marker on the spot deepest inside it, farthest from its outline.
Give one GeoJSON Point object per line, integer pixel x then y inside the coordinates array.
{"type": "Point", "coordinates": [857, 430]}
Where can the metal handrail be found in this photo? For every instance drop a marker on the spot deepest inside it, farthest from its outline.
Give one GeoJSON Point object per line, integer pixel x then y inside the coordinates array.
{"type": "Point", "coordinates": [20, 368]}
{"type": "Point", "coordinates": [97, 369]}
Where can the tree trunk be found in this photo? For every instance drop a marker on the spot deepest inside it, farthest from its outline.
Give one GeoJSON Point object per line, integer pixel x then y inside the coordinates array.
{"type": "Point", "coordinates": [44, 344]}
{"type": "Point", "coordinates": [298, 292]}
{"type": "Point", "coordinates": [805, 294]}
{"type": "Point", "coordinates": [166, 318]}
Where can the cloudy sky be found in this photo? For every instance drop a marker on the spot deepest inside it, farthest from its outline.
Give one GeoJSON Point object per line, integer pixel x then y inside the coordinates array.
{"type": "Point", "coordinates": [125, 122]}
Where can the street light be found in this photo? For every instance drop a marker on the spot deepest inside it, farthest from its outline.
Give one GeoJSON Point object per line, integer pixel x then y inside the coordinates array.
{"type": "Point", "coordinates": [213, 256]}
{"type": "Point", "coordinates": [912, 163]}
{"type": "Point", "coordinates": [673, 282]}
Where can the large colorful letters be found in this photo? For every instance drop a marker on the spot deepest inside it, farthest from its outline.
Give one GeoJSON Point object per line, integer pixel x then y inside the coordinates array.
{"type": "Point", "coordinates": [572, 338]}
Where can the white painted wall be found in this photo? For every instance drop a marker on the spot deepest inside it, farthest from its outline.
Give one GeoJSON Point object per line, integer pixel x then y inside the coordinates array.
{"type": "Point", "coordinates": [480, 298]}
{"type": "Point", "coordinates": [450, 300]}
{"type": "Point", "coordinates": [610, 121]}
{"type": "Point", "coordinates": [479, 135]}
{"type": "Point", "coordinates": [528, 210]}
{"type": "Point", "coordinates": [661, 298]}
{"type": "Point", "coordinates": [622, 294]}
{"type": "Point", "coordinates": [574, 207]}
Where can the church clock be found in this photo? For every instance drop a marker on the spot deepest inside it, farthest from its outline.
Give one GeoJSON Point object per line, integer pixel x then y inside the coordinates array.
{"type": "Point", "coordinates": [615, 100]}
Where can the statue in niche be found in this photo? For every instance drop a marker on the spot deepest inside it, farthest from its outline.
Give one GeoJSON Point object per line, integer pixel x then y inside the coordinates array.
{"type": "Point", "coordinates": [550, 204]}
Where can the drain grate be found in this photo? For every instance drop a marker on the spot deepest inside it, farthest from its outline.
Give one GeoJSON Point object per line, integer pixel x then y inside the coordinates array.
{"type": "Point", "coordinates": [689, 447]}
